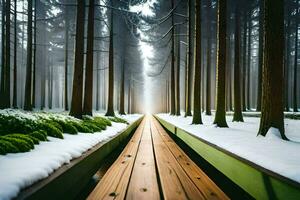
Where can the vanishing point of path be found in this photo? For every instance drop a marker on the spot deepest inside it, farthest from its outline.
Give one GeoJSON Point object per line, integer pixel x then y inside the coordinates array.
{"type": "Point", "coordinates": [153, 166]}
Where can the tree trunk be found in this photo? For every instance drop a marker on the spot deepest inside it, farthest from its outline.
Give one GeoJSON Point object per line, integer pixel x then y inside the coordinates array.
{"type": "Point", "coordinates": [208, 61]}
{"type": "Point", "coordinates": [197, 119]}
{"type": "Point", "coordinates": [110, 105]}
{"type": "Point", "coordinates": [220, 117]}
{"type": "Point", "coordinates": [34, 59]}
{"type": "Point", "coordinates": [2, 88]}
{"type": "Point", "coordinates": [249, 61]}
{"type": "Point", "coordinates": [122, 90]}
{"type": "Point", "coordinates": [178, 79]}
{"type": "Point", "coordinates": [66, 58]}
{"type": "Point", "coordinates": [76, 103]}
{"type": "Point", "coordinates": [28, 83]}
{"type": "Point", "coordinates": [260, 56]}
{"type": "Point", "coordinates": [173, 108]}
{"type": "Point", "coordinates": [295, 79]}
{"type": "Point", "coordinates": [272, 85]}
{"type": "Point", "coordinates": [15, 102]}
{"type": "Point", "coordinates": [97, 82]}
{"type": "Point", "coordinates": [88, 86]}
{"type": "Point", "coordinates": [188, 95]}
{"type": "Point", "coordinates": [244, 59]}
{"type": "Point", "coordinates": [237, 116]}
{"type": "Point", "coordinates": [7, 56]}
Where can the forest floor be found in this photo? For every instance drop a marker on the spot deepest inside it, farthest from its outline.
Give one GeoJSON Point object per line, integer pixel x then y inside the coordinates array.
{"type": "Point", "coordinates": [20, 170]}
{"type": "Point", "coordinates": [270, 152]}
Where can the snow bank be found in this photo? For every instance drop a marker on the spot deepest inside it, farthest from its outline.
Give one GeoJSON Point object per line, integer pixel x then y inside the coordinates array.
{"type": "Point", "coordinates": [21, 170]}
{"type": "Point", "coordinates": [270, 152]}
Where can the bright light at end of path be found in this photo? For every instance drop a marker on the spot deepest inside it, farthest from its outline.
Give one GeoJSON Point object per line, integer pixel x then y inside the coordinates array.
{"type": "Point", "coordinates": [146, 9]}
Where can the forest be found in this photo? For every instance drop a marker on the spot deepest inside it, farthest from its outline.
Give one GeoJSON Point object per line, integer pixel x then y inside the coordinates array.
{"type": "Point", "coordinates": [77, 74]}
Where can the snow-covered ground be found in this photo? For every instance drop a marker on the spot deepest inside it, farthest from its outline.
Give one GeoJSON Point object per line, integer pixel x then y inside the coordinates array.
{"type": "Point", "coordinates": [270, 152]}
{"type": "Point", "coordinates": [20, 170]}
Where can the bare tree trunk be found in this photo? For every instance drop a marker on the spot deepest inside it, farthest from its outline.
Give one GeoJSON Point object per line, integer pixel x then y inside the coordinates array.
{"type": "Point", "coordinates": [197, 119]}
{"type": "Point", "coordinates": [28, 84]}
{"type": "Point", "coordinates": [220, 118]}
{"type": "Point", "coordinates": [97, 83]}
{"type": "Point", "coordinates": [260, 56]}
{"type": "Point", "coordinates": [15, 98]}
{"type": "Point", "coordinates": [2, 87]}
{"type": "Point", "coordinates": [7, 56]}
{"type": "Point", "coordinates": [178, 79]}
{"type": "Point", "coordinates": [66, 58]}
{"type": "Point", "coordinates": [295, 79]}
{"type": "Point", "coordinates": [122, 90]}
{"type": "Point", "coordinates": [34, 59]}
{"type": "Point", "coordinates": [272, 85]}
{"type": "Point", "coordinates": [110, 105]}
{"type": "Point", "coordinates": [208, 61]}
{"type": "Point", "coordinates": [173, 108]}
{"type": "Point", "coordinates": [237, 116]}
{"type": "Point", "coordinates": [245, 19]}
{"type": "Point", "coordinates": [188, 95]}
{"type": "Point", "coordinates": [76, 103]}
{"type": "Point", "coordinates": [88, 86]}
{"type": "Point", "coordinates": [249, 61]}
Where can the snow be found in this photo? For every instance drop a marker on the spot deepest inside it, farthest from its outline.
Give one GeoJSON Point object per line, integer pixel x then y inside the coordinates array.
{"type": "Point", "coordinates": [270, 152]}
{"type": "Point", "coordinates": [21, 170]}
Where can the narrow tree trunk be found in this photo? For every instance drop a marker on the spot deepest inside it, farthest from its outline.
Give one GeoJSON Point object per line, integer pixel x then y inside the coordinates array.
{"type": "Point", "coordinates": [28, 83]}
{"type": "Point", "coordinates": [249, 61]}
{"type": "Point", "coordinates": [244, 60]}
{"type": "Point", "coordinates": [178, 79]}
{"type": "Point", "coordinates": [97, 83]}
{"type": "Point", "coordinates": [173, 108]}
{"type": "Point", "coordinates": [66, 58]}
{"type": "Point", "coordinates": [272, 85]}
{"type": "Point", "coordinates": [76, 104]}
{"type": "Point", "coordinates": [122, 91]}
{"type": "Point", "coordinates": [237, 116]}
{"type": "Point", "coordinates": [260, 56]}
{"type": "Point", "coordinates": [7, 56]}
{"type": "Point", "coordinates": [295, 78]}
{"type": "Point", "coordinates": [208, 61]}
{"type": "Point", "coordinates": [15, 57]}
{"type": "Point", "coordinates": [197, 119]}
{"type": "Point", "coordinates": [110, 105]}
{"type": "Point", "coordinates": [188, 102]}
{"type": "Point", "coordinates": [220, 117]}
{"type": "Point", "coordinates": [2, 89]}
{"type": "Point", "coordinates": [34, 59]}
{"type": "Point", "coordinates": [88, 86]}
{"type": "Point", "coordinates": [129, 97]}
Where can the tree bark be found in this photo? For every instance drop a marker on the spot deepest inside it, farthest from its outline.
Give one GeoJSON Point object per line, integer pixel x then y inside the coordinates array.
{"type": "Point", "coordinates": [76, 103]}
{"type": "Point", "coordinates": [295, 78]}
{"type": "Point", "coordinates": [15, 98]}
{"type": "Point", "coordinates": [245, 19]}
{"type": "Point", "coordinates": [178, 79]}
{"type": "Point", "coordinates": [7, 56]}
{"type": "Point", "coordinates": [208, 61]}
{"type": "Point", "coordinates": [173, 108]}
{"type": "Point", "coordinates": [88, 86]}
{"type": "Point", "coordinates": [28, 83]}
{"type": "Point", "coordinates": [272, 85]}
{"type": "Point", "coordinates": [110, 105]}
{"type": "Point", "coordinates": [122, 90]}
{"type": "Point", "coordinates": [197, 119]}
{"type": "Point", "coordinates": [2, 88]}
{"type": "Point", "coordinates": [66, 58]}
{"type": "Point", "coordinates": [220, 117]}
{"type": "Point", "coordinates": [237, 116]}
{"type": "Point", "coordinates": [249, 60]}
{"type": "Point", "coordinates": [34, 59]}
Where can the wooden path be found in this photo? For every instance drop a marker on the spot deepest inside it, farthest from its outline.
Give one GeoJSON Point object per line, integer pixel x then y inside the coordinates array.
{"type": "Point", "coordinates": [153, 166]}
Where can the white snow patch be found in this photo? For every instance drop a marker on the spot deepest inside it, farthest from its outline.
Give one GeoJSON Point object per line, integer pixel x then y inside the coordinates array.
{"type": "Point", "coordinates": [21, 170]}
{"type": "Point", "coordinates": [270, 152]}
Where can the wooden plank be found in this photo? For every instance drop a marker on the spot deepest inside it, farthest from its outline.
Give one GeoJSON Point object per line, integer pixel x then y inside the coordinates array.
{"type": "Point", "coordinates": [143, 182]}
{"type": "Point", "coordinates": [115, 181]}
{"type": "Point", "coordinates": [199, 178]}
{"type": "Point", "coordinates": [175, 183]}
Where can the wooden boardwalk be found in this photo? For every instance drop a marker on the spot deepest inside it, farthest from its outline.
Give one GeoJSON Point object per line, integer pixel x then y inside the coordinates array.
{"type": "Point", "coordinates": [153, 166]}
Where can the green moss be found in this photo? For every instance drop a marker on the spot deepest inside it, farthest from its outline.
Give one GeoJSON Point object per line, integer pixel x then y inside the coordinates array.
{"type": "Point", "coordinates": [7, 147]}
{"type": "Point", "coordinates": [118, 120]}
{"type": "Point", "coordinates": [92, 126]}
{"type": "Point", "coordinates": [22, 145]}
{"type": "Point", "coordinates": [56, 125]}
{"type": "Point", "coordinates": [81, 127]}
{"type": "Point", "coordinates": [102, 120]}
{"type": "Point", "coordinates": [52, 131]}
{"type": "Point", "coordinates": [12, 124]}
{"type": "Point", "coordinates": [26, 138]}
{"type": "Point", "coordinates": [69, 128]}
{"type": "Point", "coordinates": [35, 140]}
{"type": "Point", "coordinates": [41, 135]}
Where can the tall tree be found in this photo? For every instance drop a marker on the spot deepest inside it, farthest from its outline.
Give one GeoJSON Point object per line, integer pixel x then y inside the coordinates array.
{"type": "Point", "coordinates": [122, 90]}
{"type": "Point", "coordinates": [15, 57]}
{"type": "Point", "coordinates": [220, 117]}
{"type": "Point", "coordinates": [67, 21]}
{"type": "Point", "coordinates": [34, 57]}
{"type": "Point", "coordinates": [272, 84]}
{"type": "Point", "coordinates": [260, 55]}
{"type": "Point", "coordinates": [28, 83]}
{"type": "Point", "coordinates": [173, 108]}
{"type": "Point", "coordinates": [237, 116]}
{"type": "Point", "coordinates": [208, 60]}
{"type": "Point", "coordinates": [245, 20]}
{"type": "Point", "coordinates": [178, 78]}
{"type": "Point", "coordinates": [295, 78]}
{"type": "Point", "coordinates": [188, 101]}
{"type": "Point", "coordinates": [249, 58]}
{"type": "Point", "coordinates": [197, 73]}
{"type": "Point", "coordinates": [76, 103]}
{"type": "Point", "coordinates": [88, 89]}
{"type": "Point", "coordinates": [110, 103]}
{"type": "Point", "coordinates": [2, 89]}
{"type": "Point", "coordinates": [7, 55]}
